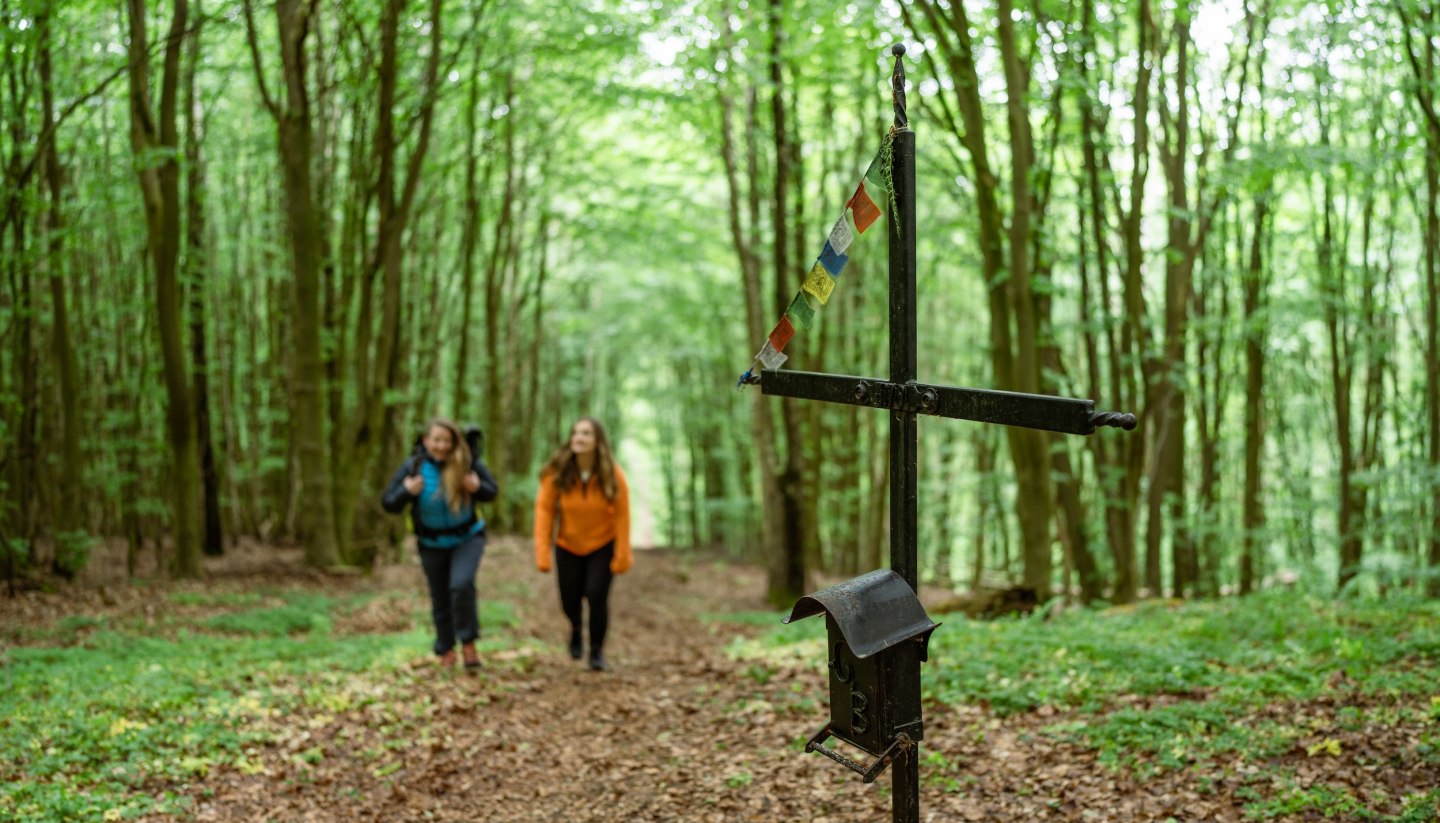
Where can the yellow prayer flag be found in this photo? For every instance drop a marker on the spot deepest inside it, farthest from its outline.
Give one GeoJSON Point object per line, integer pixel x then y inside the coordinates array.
{"type": "Point", "coordinates": [819, 283]}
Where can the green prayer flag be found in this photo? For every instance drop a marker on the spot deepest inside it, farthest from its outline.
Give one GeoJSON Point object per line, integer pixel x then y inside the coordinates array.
{"type": "Point", "coordinates": [875, 175]}
{"type": "Point", "coordinates": [801, 311]}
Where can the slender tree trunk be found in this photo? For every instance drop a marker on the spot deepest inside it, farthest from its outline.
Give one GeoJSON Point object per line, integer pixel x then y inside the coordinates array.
{"type": "Point", "coordinates": [295, 130]}
{"type": "Point", "coordinates": [788, 576]}
{"type": "Point", "coordinates": [1212, 388]}
{"type": "Point", "coordinates": [469, 241]}
{"type": "Point", "coordinates": [744, 233]}
{"type": "Point", "coordinates": [1135, 333]}
{"type": "Point", "coordinates": [1167, 478]}
{"type": "Point", "coordinates": [1015, 359]}
{"type": "Point", "coordinates": [67, 518]}
{"type": "Point", "coordinates": [155, 141]}
{"type": "Point", "coordinates": [23, 457]}
{"type": "Point", "coordinates": [1029, 449]}
{"type": "Point", "coordinates": [1254, 323]}
{"type": "Point", "coordinates": [1113, 456]}
{"type": "Point", "coordinates": [197, 270]}
{"type": "Point", "coordinates": [396, 189]}
{"type": "Point", "coordinates": [1432, 297]}
{"type": "Point", "coordinates": [497, 440]}
{"type": "Point", "coordinates": [1252, 513]}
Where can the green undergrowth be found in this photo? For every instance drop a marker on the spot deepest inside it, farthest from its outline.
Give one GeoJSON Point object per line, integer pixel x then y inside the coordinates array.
{"type": "Point", "coordinates": [1167, 685]}
{"type": "Point", "coordinates": [95, 728]}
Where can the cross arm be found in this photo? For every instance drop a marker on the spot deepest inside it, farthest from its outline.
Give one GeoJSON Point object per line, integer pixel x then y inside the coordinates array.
{"type": "Point", "coordinates": [1032, 411]}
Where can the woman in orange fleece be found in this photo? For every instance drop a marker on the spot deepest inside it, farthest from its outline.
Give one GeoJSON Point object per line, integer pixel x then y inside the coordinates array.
{"type": "Point", "coordinates": [582, 513]}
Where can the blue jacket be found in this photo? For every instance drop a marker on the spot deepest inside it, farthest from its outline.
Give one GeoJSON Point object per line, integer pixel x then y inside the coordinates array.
{"type": "Point", "coordinates": [436, 525]}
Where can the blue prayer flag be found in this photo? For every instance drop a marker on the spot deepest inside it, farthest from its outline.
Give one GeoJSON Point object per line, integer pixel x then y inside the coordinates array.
{"type": "Point", "coordinates": [832, 261]}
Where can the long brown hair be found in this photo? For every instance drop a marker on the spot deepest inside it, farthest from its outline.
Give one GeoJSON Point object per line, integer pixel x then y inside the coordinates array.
{"type": "Point", "coordinates": [456, 466]}
{"type": "Point", "coordinates": [566, 469]}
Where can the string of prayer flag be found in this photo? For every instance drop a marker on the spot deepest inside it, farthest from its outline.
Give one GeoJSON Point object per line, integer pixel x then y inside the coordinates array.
{"type": "Point", "coordinates": [819, 281]}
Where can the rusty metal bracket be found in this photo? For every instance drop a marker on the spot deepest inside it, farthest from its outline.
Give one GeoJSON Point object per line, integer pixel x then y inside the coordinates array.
{"type": "Point", "coordinates": [900, 744]}
{"type": "Point", "coordinates": [905, 397]}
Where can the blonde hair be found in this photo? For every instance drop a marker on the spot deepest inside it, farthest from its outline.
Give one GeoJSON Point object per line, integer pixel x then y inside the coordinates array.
{"type": "Point", "coordinates": [566, 471]}
{"type": "Point", "coordinates": [456, 466]}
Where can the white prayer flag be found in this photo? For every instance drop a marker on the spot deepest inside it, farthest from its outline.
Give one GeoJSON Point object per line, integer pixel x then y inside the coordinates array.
{"type": "Point", "coordinates": [841, 235]}
{"type": "Point", "coordinates": [769, 358]}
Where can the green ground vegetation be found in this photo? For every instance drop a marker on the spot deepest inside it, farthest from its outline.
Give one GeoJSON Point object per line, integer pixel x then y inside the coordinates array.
{"type": "Point", "coordinates": [1169, 686]}
{"type": "Point", "coordinates": [97, 714]}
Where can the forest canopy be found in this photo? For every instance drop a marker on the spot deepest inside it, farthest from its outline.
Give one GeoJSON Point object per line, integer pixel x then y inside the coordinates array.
{"type": "Point", "coordinates": [249, 248]}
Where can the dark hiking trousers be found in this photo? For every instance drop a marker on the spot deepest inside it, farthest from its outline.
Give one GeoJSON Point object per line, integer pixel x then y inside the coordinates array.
{"type": "Point", "coordinates": [450, 575]}
{"type": "Point", "coordinates": [586, 577]}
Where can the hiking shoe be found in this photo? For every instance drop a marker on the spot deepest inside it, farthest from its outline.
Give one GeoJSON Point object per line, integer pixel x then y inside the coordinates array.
{"type": "Point", "coordinates": [472, 658]}
{"type": "Point", "coordinates": [576, 649]}
{"type": "Point", "coordinates": [447, 660]}
{"type": "Point", "coordinates": [597, 662]}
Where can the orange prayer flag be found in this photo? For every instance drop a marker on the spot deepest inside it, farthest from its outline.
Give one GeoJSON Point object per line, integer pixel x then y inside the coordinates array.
{"type": "Point", "coordinates": [863, 209]}
{"type": "Point", "coordinates": [782, 333]}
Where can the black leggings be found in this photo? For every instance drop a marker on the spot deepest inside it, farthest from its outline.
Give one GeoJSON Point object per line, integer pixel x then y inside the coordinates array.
{"type": "Point", "coordinates": [586, 577]}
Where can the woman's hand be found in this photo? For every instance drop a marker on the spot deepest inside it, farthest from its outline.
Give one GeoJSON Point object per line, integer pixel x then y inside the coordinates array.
{"type": "Point", "coordinates": [414, 484]}
{"type": "Point", "coordinates": [472, 482]}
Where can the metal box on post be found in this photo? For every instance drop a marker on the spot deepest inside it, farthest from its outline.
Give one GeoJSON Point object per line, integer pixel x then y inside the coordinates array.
{"type": "Point", "coordinates": [870, 621]}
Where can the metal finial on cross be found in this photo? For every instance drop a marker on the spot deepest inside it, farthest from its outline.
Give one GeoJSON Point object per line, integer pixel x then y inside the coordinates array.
{"type": "Point", "coordinates": [897, 87]}
{"type": "Point", "coordinates": [906, 400]}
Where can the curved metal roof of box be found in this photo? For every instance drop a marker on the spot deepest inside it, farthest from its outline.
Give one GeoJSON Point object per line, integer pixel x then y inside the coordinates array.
{"type": "Point", "coordinates": [874, 611]}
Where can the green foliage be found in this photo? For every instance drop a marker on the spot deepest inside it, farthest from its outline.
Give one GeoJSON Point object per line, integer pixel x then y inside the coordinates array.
{"type": "Point", "coordinates": [1168, 686]}
{"type": "Point", "coordinates": [1421, 808]}
{"type": "Point", "coordinates": [14, 550]}
{"type": "Point", "coordinates": [1330, 802]}
{"type": "Point", "coordinates": [76, 745]}
{"type": "Point", "coordinates": [72, 550]}
{"type": "Point", "coordinates": [758, 618]}
{"type": "Point", "coordinates": [303, 614]}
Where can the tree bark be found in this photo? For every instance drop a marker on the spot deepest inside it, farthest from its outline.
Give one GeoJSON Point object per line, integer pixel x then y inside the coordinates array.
{"type": "Point", "coordinates": [197, 271]}
{"type": "Point", "coordinates": [295, 131]}
{"type": "Point", "coordinates": [155, 141]}
{"type": "Point", "coordinates": [1252, 512]}
{"type": "Point", "coordinates": [71, 517]}
{"type": "Point", "coordinates": [788, 577]}
{"type": "Point", "coordinates": [1015, 359]}
{"type": "Point", "coordinates": [396, 190]}
{"type": "Point", "coordinates": [1167, 477]}
{"type": "Point", "coordinates": [744, 225]}
{"type": "Point", "coordinates": [1117, 459]}
{"type": "Point", "coordinates": [1423, 66]}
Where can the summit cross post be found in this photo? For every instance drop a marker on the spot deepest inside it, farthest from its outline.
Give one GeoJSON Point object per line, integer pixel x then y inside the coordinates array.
{"type": "Point", "coordinates": [906, 400]}
{"type": "Point", "coordinates": [904, 426]}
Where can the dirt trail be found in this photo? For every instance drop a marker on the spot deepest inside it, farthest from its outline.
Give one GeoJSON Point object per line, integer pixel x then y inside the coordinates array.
{"type": "Point", "coordinates": [675, 731]}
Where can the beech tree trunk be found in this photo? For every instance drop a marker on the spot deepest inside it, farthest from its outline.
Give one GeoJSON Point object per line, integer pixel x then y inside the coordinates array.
{"type": "Point", "coordinates": [295, 131]}
{"type": "Point", "coordinates": [155, 141]}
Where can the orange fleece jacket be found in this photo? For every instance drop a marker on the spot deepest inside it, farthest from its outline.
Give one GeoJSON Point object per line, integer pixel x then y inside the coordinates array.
{"type": "Point", "coordinates": [587, 520]}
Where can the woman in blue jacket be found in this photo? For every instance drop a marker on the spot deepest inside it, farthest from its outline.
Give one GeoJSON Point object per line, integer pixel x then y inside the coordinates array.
{"type": "Point", "coordinates": [441, 483]}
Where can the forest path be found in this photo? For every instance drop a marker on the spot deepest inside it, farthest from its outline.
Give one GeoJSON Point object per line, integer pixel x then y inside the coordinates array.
{"type": "Point", "coordinates": [677, 730]}
{"type": "Point", "coordinates": [682, 728]}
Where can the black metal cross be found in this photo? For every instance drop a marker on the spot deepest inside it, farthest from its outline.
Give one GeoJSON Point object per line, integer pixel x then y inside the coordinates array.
{"type": "Point", "coordinates": [907, 400]}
